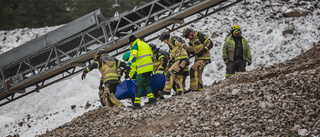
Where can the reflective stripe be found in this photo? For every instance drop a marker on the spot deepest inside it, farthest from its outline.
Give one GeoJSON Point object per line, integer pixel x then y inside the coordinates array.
{"type": "Point", "coordinates": [182, 57]}
{"type": "Point", "coordinates": [150, 95]}
{"type": "Point", "coordinates": [200, 45]}
{"type": "Point", "coordinates": [114, 102]}
{"type": "Point", "coordinates": [174, 49]}
{"type": "Point", "coordinates": [98, 64]}
{"type": "Point", "coordinates": [162, 56]}
{"type": "Point", "coordinates": [196, 79]}
{"type": "Point", "coordinates": [180, 89]}
{"type": "Point", "coordinates": [118, 63]}
{"type": "Point", "coordinates": [227, 75]}
{"type": "Point", "coordinates": [157, 63]}
{"type": "Point", "coordinates": [206, 40]}
{"type": "Point", "coordinates": [203, 57]}
{"type": "Point", "coordinates": [136, 102]}
{"type": "Point", "coordinates": [106, 68]}
{"type": "Point", "coordinates": [112, 78]}
{"type": "Point", "coordinates": [88, 69]}
{"type": "Point", "coordinates": [143, 56]}
{"type": "Point", "coordinates": [145, 65]}
{"type": "Point", "coordinates": [160, 72]}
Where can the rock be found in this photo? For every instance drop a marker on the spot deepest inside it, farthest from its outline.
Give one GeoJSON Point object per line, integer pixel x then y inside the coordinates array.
{"type": "Point", "coordinates": [235, 91]}
{"type": "Point", "coordinates": [286, 32]}
{"type": "Point", "coordinates": [214, 35]}
{"type": "Point", "coordinates": [206, 128]}
{"type": "Point", "coordinates": [87, 105]}
{"type": "Point", "coordinates": [302, 132]}
{"type": "Point", "coordinates": [296, 14]}
{"type": "Point", "coordinates": [216, 124]}
{"type": "Point", "coordinates": [73, 107]}
{"type": "Point", "coordinates": [296, 128]}
{"type": "Point", "coordinates": [269, 31]}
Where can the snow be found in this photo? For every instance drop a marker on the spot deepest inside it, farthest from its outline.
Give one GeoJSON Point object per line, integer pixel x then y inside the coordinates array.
{"type": "Point", "coordinates": [51, 107]}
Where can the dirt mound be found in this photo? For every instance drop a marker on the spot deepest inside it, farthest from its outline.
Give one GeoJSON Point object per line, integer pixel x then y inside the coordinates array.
{"type": "Point", "coordinates": [278, 100]}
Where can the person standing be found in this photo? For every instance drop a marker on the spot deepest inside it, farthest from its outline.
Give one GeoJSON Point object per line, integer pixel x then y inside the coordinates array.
{"type": "Point", "coordinates": [180, 59]}
{"type": "Point", "coordinates": [141, 53]}
{"type": "Point", "coordinates": [200, 45]}
{"type": "Point", "coordinates": [107, 66]}
{"type": "Point", "coordinates": [236, 52]}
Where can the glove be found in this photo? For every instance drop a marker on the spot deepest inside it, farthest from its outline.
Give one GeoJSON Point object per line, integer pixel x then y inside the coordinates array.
{"type": "Point", "coordinates": [249, 62]}
{"type": "Point", "coordinates": [126, 76]}
{"type": "Point", "coordinates": [127, 69]}
{"type": "Point", "coordinates": [83, 75]}
{"type": "Point", "coordinates": [225, 61]}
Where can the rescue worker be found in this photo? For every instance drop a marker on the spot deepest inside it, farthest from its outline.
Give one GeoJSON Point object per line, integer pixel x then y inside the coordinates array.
{"type": "Point", "coordinates": [133, 67]}
{"type": "Point", "coordinates": [200, 46]}
{"type": "Point", "coordinates": [236, 52]}
{"type": "Point", "coordinates": [180, 59]}
{"type": "Point", "coordinates": [107, 66]}
{"type": "Point", "coordinates": [141, 53]}
{"type": "Point", "coordinates": [160, 60]}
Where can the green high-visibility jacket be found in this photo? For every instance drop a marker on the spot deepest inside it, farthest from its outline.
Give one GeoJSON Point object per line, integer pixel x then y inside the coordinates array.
{"type": "Point", "coordinates": [141, 53]}
{"type": "Point", "coordinates": [229, 46]}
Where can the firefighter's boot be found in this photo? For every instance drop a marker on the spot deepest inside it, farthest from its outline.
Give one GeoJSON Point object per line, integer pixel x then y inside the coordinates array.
{"type": "Point", "coordinates": [161, 92]}
{"type": "Point", "coordinates": [151, 102]}
{"type": "Point", "coordinates": [135, 106]}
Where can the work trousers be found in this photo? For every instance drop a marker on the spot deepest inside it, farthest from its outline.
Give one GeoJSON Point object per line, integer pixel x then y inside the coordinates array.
{"type": "Point", "coordinates": [196, 83]}
{"type": "Point", "coordinates": [143, 81]}
{"type": "Point", "coordinates": [235, 66]}
{"type": "Point", "coordinates": [107, 96]}
{"type": "Point", "coordinates": [173, 76]}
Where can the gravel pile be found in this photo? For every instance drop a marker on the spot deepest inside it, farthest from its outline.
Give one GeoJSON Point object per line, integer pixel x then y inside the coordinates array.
{"type": "Point", "coordinates": [278, 100]}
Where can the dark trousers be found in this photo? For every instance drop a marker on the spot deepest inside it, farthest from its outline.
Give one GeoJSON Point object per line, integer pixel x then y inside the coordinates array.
{"type": "Point", "coordinates": [235, 66]}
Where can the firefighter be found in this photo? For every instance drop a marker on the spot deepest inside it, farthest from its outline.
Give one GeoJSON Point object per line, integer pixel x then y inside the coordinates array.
{"type": "Point", "coordinates": [107, 66]}
{"type": "Point", "coordinates": [141, 53]}
{"type": "Point", "coordinates": [160, 59]}
{"type": "Point", "coordinates": [133, 67]}
{"type": "Point", "coordinates": [200, 45]}
{"type": "Point", "coordinates": [236, 52]}
{"type": "Point", "coordinates": [180, 59]}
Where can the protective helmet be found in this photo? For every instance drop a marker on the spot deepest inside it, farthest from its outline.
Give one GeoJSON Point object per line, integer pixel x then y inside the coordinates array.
{"type": "Point", "coordinates": [126, 56]}
{"type": "Point", "coordinates": [99, 53]}
{"type": "Point", "coordinates": [186, 32]}
{"type": "Point", "coordinates": [164, 35]}
{"type": "Point", "coordinates": [153, 46]}
{"type": "Point", "coordinates": [234, 27]}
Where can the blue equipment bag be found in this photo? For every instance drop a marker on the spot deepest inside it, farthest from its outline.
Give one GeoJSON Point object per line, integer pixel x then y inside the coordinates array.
{"type": "Point", "coordinates": [126, 89]}
{"type": "Point", "coordinates": [157, 81]}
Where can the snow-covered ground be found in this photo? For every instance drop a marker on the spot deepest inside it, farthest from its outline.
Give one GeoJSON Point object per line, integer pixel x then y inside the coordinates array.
{"type": "Point", "coordinates": [51, 107]}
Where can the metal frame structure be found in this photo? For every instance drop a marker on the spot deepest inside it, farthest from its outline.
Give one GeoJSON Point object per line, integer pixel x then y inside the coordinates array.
{"type": "Point", "coordinates": [66, 57]}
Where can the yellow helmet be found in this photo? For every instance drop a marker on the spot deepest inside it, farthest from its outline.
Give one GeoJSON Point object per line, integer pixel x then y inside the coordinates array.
{"type": "Point", "coordinates": [234, 27]}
